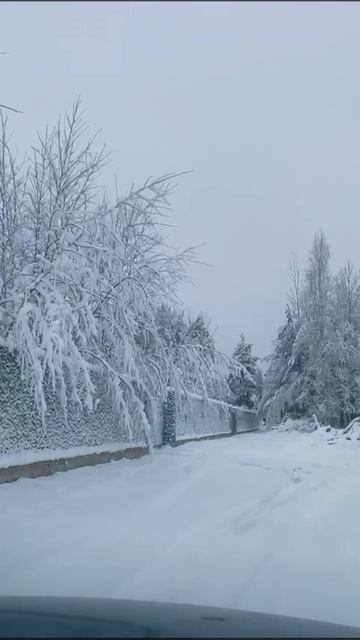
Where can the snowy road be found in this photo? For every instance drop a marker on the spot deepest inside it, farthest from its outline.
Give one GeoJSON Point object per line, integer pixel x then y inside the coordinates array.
{"type": "Point", "coordinates": [264, 521]}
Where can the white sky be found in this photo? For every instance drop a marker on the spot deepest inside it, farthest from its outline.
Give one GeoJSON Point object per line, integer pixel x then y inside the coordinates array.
{"type": "Point", "coordinates": [261, 100]}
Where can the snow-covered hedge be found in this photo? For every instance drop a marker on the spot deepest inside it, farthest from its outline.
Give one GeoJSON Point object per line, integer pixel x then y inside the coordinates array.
{"type": "Point", "coordinates": [21, 428]}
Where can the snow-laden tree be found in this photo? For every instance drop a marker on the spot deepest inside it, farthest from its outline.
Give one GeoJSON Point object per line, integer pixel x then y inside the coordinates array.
{"type": "Point", "coordinates": [47, 326]}
{"type": "Point", "coordinates": [245, 383]}
{"type": "Point", "coordinates": [172, 326]}
{"type": "Point", "coordinates": [315, 366]}
{"type": "Point", "coordinates": [293, 378]}
{"type": "Point", "coordinates": [197, 366]}
{"type": "Point", "coordinates": [340, 392]}
{"type": "Point", "coordinates": [198, 333]}
{"type": "Point", "coordinates": [339, 397]}
{"type": "Point", "coordinates": [346, 297]}
{"type": "Point", "coordinates": [279, 376]}
{"type": "Point", "coordinates": [83, 280]}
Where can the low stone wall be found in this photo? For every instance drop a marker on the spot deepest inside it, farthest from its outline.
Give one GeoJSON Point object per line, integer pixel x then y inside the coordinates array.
{"type": "Point", "coordinates": [49, 467]}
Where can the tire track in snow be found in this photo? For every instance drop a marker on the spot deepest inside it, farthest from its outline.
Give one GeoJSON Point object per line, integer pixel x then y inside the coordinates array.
{"type": "Point", "coordinates": [248, 582]}
{"type": "Point", "coordinates": [290, 493]}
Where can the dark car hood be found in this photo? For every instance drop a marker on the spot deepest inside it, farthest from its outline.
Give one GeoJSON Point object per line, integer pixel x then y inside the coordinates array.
{"type": "Point", "coordinates": [93, 617]}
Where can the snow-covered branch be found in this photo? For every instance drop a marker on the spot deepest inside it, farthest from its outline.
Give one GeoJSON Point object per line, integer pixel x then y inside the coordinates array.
{"type": "Point", "coordinates": [82, 281]}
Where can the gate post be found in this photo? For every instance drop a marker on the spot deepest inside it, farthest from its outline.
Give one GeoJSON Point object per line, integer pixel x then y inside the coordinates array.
{"type": "Point", "coordinates": [169, 419]}
{"type": "Point", "coordinates": [233, 425]}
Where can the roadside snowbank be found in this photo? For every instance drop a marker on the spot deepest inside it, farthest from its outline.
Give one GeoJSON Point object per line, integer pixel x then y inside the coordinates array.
{"type": "Point", "coordinates": [323, 433]}
{"type": "Point", "coordinates": [302, 425]}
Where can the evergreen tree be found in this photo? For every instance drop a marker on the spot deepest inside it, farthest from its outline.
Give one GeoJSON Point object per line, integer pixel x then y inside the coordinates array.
{"type": "Point", "coordinates": [245, 388]}
{"type": "Point", "coordinates": [198, 333]}
{"type": "Point", "coordinates": [285, 365]}
{"type": "Point", "coordinates": [171, 326]}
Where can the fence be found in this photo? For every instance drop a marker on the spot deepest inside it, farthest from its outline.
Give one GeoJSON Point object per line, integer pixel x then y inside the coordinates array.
{"type": "Point", "coordinates": [24, 441]}
{"type": "Point", "coordinates": [193, 417]}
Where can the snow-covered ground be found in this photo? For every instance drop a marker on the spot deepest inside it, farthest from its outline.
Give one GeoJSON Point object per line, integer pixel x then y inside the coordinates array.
{"type": "Point", "coordinates": [264, 521]}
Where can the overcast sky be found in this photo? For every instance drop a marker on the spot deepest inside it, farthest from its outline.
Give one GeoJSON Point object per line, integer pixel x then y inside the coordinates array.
{"type": "Point", "coordinates": [261, 100]}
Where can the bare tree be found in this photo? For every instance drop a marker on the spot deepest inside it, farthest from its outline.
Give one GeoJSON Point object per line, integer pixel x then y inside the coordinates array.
{"type": "Point", "coordinates": [294, 296]}
{"type": "Point", "coordinates": [12, 195]}
{"type": "Point", "coordinates": [62, 189]}
{"type": "Point", "coordinates": [346, 296]}
{"type": "Point", "coordinates": [317, 285]}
